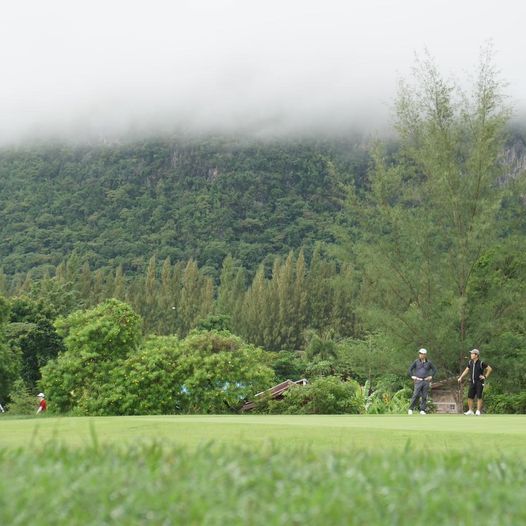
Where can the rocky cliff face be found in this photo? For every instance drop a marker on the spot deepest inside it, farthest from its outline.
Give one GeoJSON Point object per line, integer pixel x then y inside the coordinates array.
{"type": "Point", "coordinates": [515, 159]}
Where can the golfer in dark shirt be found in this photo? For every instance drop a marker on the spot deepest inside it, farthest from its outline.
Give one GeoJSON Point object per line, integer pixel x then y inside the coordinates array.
{"type": "Point", "coordinates": [421, 372]}
{"type": "Point", "coordinates": [478, 372]}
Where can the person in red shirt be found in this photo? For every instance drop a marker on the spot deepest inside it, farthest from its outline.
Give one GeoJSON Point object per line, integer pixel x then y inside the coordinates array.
{"type": "Point", "coordinates": [42, 406]}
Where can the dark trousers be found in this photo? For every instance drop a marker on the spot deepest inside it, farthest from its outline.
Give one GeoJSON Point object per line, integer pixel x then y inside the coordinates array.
{"type": "Point", "coordinates": [421, 390]}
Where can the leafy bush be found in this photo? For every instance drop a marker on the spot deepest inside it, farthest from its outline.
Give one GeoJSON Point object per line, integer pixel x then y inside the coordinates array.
{"type": "Point", "coordinates": [215, 322]}
{"type": "Point", "coordinates": [208, 372]}
{"type": "Point", "coordinates": [222, 371]}
{"type": "Point", "coordinates": [505, 403]}
{"type": "Point", "coordinates": [320, 369]}
{"type": "Point", "coordinates": [289, 365]}
{"type": "Point", "coordinates": [363, 357]}
{"type": "Point", "coordinates": [22, 402]}
{"type": "Point", "coordinates": [148, 382]}
{"type": "Point", "coordinates": [327, 395]}
{"type": "Point", "coordinates": [381, 401]}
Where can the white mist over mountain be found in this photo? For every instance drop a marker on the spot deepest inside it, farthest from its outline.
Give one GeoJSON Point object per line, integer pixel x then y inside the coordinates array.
{"type": "Point", "coordinates": [105, 68]}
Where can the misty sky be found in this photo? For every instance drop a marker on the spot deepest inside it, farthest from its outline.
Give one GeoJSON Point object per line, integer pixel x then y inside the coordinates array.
{"type": "Point", "coordinates": [100, 68]}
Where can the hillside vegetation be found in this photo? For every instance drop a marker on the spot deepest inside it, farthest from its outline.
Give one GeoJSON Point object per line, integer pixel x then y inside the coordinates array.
{"type": "Point", "coordinates": [201, 198]}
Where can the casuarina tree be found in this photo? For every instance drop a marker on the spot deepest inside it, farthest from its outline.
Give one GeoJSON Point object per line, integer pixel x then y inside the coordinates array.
{"type": "Point", "coordinates": [432, 209]}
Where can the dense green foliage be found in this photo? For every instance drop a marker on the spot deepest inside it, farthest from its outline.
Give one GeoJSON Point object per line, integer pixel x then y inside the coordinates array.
{"type": "Point", "coordinates": [21, 401]}
{"type": "Point", "coordinates": [271, 486]}
{"type": "Point", "coordinates": [506, 403]}
{"type": "Point", "coordinates": [202, 199]}
{"type": "Point", "coordinates": [30, 330]}
{"type": "Point", "coordinates": [208, 372]}
{"type": "Point", "coordinates": [96, 342]}
{"type": "Point", "coordinates": [9, 359]}
{"type": "Point", "coordinates": [325, 395]}
{"type": "Point", "coordinates": [272, 310]}
{"type": "Point", "coordinates": [498, 291]}
{"type": "Point", "coordinates": [107, 369]}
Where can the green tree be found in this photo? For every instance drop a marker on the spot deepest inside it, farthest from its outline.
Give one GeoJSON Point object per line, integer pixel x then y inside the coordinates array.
{"type": "Point", "coordinates": [432, 210]}
{"type": "Point", "coordinates": [289, 365]}
{"type": "Point", "coordinates": [149, 381]}
{"type": "Point", "coordinates": [85, 283]}
{"type": "Point", "coordinates": [196, 297]}
{"type": "Point", "coordinates": [231, 289]}
{"type": "Point", "coordinates": [30, 330]}
{"type": "Point", "coordinates": [208, 372]}
{"type": "Point", "coordinates": [222, 371]}
{"type": "Point", "coordinates": [320, 291]}
{"type": "Point", "coordinates": [497, 313]}
{"type": "Point", "coordinates": [150, 299]}
{"type": "Point", "coordinates": [10, 360]}
{"type": "Point", "coordinates": [119, 285]}
{"type": "Point", "coordinates": [60, 298]}
{"type": "Point", "coordinates": [97, 341]}
{"type": "Point", "coordinates": [291, 293]}
{"type": "Point", "coordinates": [3, 283]}
{"type": "Point", "coordinates": [254, 309]}
{"type": "Point", "coordinates": [321, 347]}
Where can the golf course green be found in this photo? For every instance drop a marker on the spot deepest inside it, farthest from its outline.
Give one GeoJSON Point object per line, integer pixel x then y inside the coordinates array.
{"type": "Point", "coordinates": [497, 433]}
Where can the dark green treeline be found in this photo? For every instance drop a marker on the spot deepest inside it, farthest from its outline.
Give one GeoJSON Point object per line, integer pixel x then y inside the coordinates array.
{"type": "Point", "coordinates": [273, 309]}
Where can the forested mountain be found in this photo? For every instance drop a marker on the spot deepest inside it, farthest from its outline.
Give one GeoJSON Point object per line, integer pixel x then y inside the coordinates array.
{"type": "Point", "coordinates": [202, 198]}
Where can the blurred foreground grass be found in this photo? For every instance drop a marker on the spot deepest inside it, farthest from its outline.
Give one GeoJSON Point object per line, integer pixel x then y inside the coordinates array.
{"type": "Point", "coordinates": [155, 484]}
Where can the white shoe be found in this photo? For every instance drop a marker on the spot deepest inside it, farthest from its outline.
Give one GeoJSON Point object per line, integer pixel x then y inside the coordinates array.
{"type": "Point", "coordinates": [409, 411]}
{"type": "Point", "coordinates": [469, 413]}
{"type": "Point", "coordinates": [477, 413]}
{"type": "Point", "coordinates": [422, 412]}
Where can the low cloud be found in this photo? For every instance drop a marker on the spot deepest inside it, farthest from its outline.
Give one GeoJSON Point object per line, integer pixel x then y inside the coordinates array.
{"type": "Point", "coordinates": [103, 69]}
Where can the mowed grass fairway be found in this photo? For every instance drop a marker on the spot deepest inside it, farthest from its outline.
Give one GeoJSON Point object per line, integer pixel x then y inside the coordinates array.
{"type": "Point", "coordinates": [497, 433]}
{"type": "Point", "coordinates": [263, 470]}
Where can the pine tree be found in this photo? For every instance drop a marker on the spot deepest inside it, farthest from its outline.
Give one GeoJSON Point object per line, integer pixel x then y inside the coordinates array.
{"type": "Point", "coordinates": [149, 306]}
{"type": "Point", "coordinates": [229, 293]}
{"type": "Point", "coordinates": [196, 298]}
{"type": "Point", "coordinates": [119, 284]}
{"type": "Point", "coordinates": [300, 301]}
{"type": "Point", "coordinates": [320, 291]}
{"type": "Point", "coordinates": [85, 284]}
{"type": "Point", "coordinates": [433, 209]}
{"type": "Point", "coordinates": [4, 288]}
{"type": "Point", "coordinates": [27, 284]}
{"type": "Point", "coordinates": [165, 299]}
{"type": "Point", "coordinates": [254, 309]}
{"type": "Point", "coordinates": [343, 314]}
{"type": "Point", "coordinates": [100, 288]}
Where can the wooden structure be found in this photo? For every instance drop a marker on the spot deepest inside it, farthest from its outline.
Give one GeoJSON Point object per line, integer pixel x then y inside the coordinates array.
{"type": "Point", "coordinates": [446, 396]}
{"type": "Point", "coordinates": [275, 393]}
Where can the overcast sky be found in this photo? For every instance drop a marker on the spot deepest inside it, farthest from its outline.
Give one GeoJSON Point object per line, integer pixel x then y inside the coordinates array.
{"type": "Point", "coordinates": [100, 68]}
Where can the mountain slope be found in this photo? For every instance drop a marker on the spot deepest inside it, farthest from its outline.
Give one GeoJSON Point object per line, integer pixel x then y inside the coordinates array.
{"type": "Point", "coordinates": [204, 198]}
